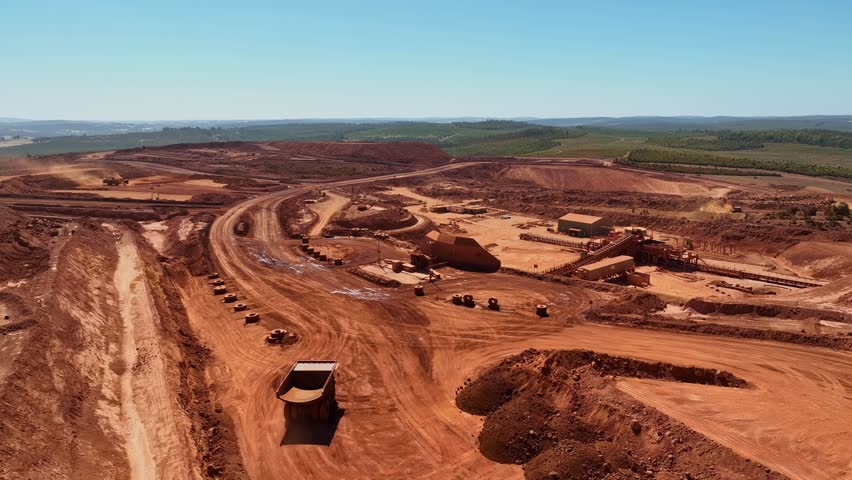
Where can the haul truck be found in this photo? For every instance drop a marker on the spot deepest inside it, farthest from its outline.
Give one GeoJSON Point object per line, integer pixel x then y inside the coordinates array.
{"type": "Point", "coordinates": [308, 391]}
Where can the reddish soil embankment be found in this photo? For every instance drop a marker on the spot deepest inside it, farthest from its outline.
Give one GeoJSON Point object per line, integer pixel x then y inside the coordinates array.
{"type": "Point", "coordinates": [101, 369]}
{"type": "Point", "coordinates": [708, 307]}
{"type": "Point", "coordinates": [280, 161]}
{"type": "Point", "coordinates": [561, 415]}
{"type": "Point", "coordinates": [23, 245]}
{"type": "Point", "coordinates": [211, 431]}
{"type": "Point", "coordinates": [63, 392]}
{"type": "Point", "coordinates": [407, 153]}
{"type": "Point", "coordinates": [295, 218]}
{"type": "Point", "coordinates": [389, 219]}
{"type": "Point", "coordinates": [638, 310]}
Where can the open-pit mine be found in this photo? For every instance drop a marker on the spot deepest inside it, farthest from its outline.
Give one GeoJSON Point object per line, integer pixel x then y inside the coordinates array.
{"type": "Point", "coordinates": [357, 310]}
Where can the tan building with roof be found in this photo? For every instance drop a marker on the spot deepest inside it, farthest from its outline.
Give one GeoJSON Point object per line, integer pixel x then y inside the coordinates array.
{"type": "Point", "coordinates": [460, 252]}
{"type": "Point", "coordinates": [606, 268]}
{"type": "Point", "coordinates": [578, 225]}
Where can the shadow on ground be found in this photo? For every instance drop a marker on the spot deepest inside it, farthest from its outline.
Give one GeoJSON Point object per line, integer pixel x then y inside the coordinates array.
{"type": "Point", "coordinates": [312, 433]}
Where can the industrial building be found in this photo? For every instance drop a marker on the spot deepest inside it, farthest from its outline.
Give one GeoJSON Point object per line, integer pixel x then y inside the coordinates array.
{"type": "Point", "coordinates": [460, 252]}
{"type": "Point", "coordinates": [578, 225]}
{"type": "Point", "coordinates": [606, 268]}
{"type": "Point", "coordinates": [459, 208]}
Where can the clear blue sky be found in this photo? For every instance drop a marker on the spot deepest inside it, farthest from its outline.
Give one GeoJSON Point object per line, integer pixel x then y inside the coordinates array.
{"type": "Point", "coordinates": [151, 59]}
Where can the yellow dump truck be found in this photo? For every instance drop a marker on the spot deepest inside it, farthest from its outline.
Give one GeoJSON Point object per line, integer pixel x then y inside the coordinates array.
{"type": "Point", "coordinates": [308, 391]}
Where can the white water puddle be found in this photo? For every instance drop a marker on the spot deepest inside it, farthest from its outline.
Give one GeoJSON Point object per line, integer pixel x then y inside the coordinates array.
{"type": "Point", "coordinates": [363, 293]}
{"type": "Point", "coordinates": [273, 262]}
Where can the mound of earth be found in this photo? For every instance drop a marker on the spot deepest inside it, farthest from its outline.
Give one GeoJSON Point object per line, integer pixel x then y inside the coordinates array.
{"type": "Point", "coordinates": [405, 153]}
{"type": "Point", "coordinates": [561, 415]}
{"type": "Point", "coordinates": [707, 307]}
{"type": "Point", "coordinates": [23, 247]}
{"type": "Point", "coordinates": [186, 242]}
{"type": "Point", "coordinates": [387, 219]}
{"type": "Point", "coordinates": [634, 303]}
{"type": "Point", "coordinates": [602, 179]}
{"type": "Point", "coordinates": [35, 184]}
{"type": "Point", "coordinates": [828, 260]}
{"type": "Point", "coordinates": [294, 218]}
{"type": "Point", "coordinates": [46, 182]}
{"type": "Point", "coordinates": [215, 198]}
{"type": "Point", "coordinates": [517, 431]}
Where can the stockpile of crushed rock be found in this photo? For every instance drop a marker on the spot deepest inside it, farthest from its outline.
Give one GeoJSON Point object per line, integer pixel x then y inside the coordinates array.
{"type": "Point", "coordinates": [560, 415]}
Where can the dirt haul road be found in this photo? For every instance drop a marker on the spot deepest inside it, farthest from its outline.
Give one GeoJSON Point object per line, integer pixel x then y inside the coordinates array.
{"type": "Point", "coordinates": [326, 209]}
{"type": "Point", "coordinates": [157, 430]}
{"type": "Point", "coordinates": [402, 358]}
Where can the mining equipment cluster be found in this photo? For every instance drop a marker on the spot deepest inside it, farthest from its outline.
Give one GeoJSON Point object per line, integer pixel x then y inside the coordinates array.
{"type": "Point", "coordinates": [317, 254]}
{"type": "Point", "coordinates": [610, 254]}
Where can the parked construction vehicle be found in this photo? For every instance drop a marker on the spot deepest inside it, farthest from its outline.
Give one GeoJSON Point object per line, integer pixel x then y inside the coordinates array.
{"type": "Point", "coordinates": [115, 181]}
{"type": "Point", "coordinates": [308, 391]}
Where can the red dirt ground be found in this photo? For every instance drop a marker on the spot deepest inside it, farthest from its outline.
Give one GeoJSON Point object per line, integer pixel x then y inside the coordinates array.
{"type": "Point", "coordinates": [73, 371]}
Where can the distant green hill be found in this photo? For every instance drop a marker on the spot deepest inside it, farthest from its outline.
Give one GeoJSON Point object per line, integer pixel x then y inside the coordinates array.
{"type": "Point", "coordinates": [496, 137]}
{"type": "Point", "coordinates": [817, 152]}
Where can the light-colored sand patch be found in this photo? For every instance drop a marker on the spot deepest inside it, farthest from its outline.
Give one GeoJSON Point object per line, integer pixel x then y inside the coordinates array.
{"type": "Point", "coordinates": [604, 179]}
{"type": "Point", "coordinates": [185, 228]}
{"type": "Point", "coordinates": [153, 179]}
{"type": "Point", "coordinates": [326, 209]}
{"type": "Point", "coordinates": [126, 283]}
{"type": "Point", "coordinates": [407, 192]}
{"type": "Point", "coordinates": [135, 195]}
{"type": "Point", "coordinates": [155, 234]}
{"type": "Point", "coordinates": [682, 285]}
{"type": "Point", "coordinates": [15, 143]}
{"type": "Point", "coordinates": [404, 278]}
{"type": "Point", "coordinates": [205, 182]}
{"type": "Point", "coordinates": [500, 236]}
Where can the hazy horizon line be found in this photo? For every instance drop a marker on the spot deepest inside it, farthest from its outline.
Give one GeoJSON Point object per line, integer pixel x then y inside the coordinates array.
{"type": "Point", "coordinates": [403, 118]}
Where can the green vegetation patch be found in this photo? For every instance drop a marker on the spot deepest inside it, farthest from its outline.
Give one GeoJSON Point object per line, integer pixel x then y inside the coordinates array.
{"type": "Point", "coordinates": [680, 157]}
{"type": "Point", "coordinates": [528, 140]}
{"type": "Point", "coordinates": [711, 143]}
{"type": "Point", "coordinates": [820, 138]}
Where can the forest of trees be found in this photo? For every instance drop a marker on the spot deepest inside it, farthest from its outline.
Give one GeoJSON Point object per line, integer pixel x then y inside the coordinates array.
{"type": "Point", "coordinates": [732, 140]}
{"type": "Point", "coordinates": [648, 156]}
{"type": "Point", "coordinates": [493, 125]}
{"type": "Point", "coordinates": [820, 138]}
{"type": "Point", "coordinates": [704, 143]}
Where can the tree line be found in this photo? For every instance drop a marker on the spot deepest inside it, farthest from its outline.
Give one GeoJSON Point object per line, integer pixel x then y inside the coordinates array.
{"type": "Point", "coordinates": [733, 140]}
{"type": "Point", "coordinates": [649, 156]}
{"type": "Point", "coordinates": [820, 138]}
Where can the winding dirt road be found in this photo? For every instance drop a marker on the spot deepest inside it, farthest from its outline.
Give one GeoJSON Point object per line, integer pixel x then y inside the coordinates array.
{"type": "Point", "coordinates": [325, 210]}
{"type": "Point", "coordinates": [402, 358]}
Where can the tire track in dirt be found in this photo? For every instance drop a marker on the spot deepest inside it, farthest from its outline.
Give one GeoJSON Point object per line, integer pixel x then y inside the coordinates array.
{"type": "Point", "coordinates": [138, 451]}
